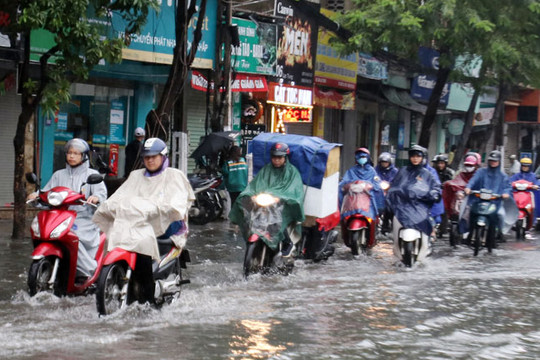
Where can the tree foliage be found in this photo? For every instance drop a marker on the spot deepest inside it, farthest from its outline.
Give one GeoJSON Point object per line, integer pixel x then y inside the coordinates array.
{"type": "Point", "coordinates": [80, 44]}
{"type": "Point", "coordinates": [503, 33]}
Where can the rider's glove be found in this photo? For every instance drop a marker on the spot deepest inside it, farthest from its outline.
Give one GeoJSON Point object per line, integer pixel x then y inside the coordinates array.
{"type": "Point", "coordinates": [435, 195]}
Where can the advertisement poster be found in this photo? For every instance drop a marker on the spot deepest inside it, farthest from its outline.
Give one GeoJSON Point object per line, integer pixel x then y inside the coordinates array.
{"type": "Point", "coordinates": [113, 159]}
{"type": "Point", "coordinates": [257, 51]}
{"type": "Point", "coordinates": [116, 125]}
{"type": "Point", "coordinates": [297, 45]}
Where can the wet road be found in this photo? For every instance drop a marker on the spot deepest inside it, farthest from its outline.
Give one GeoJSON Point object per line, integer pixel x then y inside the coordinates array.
{"type": "Point", "coordinates": [456, 306]}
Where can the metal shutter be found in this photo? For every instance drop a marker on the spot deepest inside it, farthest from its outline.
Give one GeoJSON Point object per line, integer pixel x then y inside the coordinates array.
{"type": "Point", "coordinates": [300, 129]}
{"type": "Point", "coordinates": [196, 115]}
{"type": "Point", "coordinates": [10, 108]}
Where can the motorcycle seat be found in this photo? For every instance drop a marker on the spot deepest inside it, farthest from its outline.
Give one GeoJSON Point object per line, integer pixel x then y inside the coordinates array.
{"type": "Point", "coordinates": [164, 246]}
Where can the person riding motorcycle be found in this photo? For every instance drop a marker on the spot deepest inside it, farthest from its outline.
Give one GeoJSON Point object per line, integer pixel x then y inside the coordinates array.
{"type": "Point", "coordinates": [413, 192]}
{"type": "Point", "coordinates": [443, 171]}
{"type": "Point", "coordinates": [386, 172]}
{"type": "Point", "coordinates": [491, 178]}
{"type": "Point", "coordinates": [153, 201]}
{"type": "Point", "coordinates": [525, 173]}
{"type": "Point", "coordinates": [281, 179]}
{"type": "Point", "coordinates": [73, 176]}
{"type": "Point", "coordinates": [361, 171]}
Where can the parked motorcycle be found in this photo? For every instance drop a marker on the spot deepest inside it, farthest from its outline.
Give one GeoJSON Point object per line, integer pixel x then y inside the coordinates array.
{"type": "Point", "coordinates": [410, 245]}
{"type": "Point", "coordinates": [54, 258]}
{"type": "Point", "coordinates": [117, 288]}
{"type": "Point", "coordinates": [262, 253]}
{"type": "Point", "coordinates": [523, 196]}
{"type": "Point", "coordinates": [318, 237]}
{"type": "Point", "coordinates": [208, 204]}
{"type": "Point", "coordinates": [359, 228]}
{"type": "Point", "coordinates": [485, 225]}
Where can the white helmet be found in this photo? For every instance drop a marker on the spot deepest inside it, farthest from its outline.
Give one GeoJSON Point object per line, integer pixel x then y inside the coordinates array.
{"type": "Point", "coordinates": [139, 132]}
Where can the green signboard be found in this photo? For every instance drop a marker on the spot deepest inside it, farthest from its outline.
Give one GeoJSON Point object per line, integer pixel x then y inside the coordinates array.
{"type": "Point", "coordinates": [257, 51]}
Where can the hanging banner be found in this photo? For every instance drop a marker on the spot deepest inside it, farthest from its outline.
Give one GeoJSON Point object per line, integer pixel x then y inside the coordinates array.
{"type": "Point", "coordinates": [371, 68]}
{"type": "Point", "coordinates": [241, 83]}
{"type": "Point", "coordinates": [257, 51]}
{"type": "Point", "coordinates": [297, 45]}
{"type": "Point", "coordinates": [332, 99]}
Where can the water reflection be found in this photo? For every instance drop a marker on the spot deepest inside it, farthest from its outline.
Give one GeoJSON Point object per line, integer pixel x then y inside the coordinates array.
{"type": "Point", "coordinates": [252, 340]}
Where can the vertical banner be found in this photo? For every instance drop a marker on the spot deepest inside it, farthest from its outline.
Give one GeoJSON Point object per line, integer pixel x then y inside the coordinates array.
{"type": "Point", "coordinates": [113, 159]}
{"type": "Point", "coordinates": [116, 125]}
{"type": "Point", "coordinates": [297, 45]}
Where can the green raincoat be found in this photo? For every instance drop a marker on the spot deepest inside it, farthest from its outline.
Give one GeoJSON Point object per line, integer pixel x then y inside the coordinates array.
{"type": "Point", "coordinates": [285, 183]}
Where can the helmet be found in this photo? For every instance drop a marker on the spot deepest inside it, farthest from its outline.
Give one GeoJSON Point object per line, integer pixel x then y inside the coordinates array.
{"type": "Point", "coordinates": [139, 132]}
{"type": "Point", "coordinates": [79, 145]}
{"type": "Point", "coordinates": [441, 157]}
{"type": "Point", "coordinates": [279, 149]}
{"type": "Point", "coordinates": [362, 150]}
{"type": "Point", "coordinates": [386, 157]}
{"type": "Point", "coordinates": [471, 160]}
{"type": "Point", "coordinates": [419, 150]}
{"type": "Point", "coordinates": [494, 155]}
{"type": "Point", "coordinates": [154, 146]}
{"type": "Point", "coordinates": [526, 162]}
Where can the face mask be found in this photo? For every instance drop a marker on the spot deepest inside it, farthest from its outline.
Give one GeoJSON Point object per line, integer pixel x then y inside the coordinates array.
{"type": "Point", "coordinates": [361, 161]}
{"type": "Point", "coordinates": [469, 169]}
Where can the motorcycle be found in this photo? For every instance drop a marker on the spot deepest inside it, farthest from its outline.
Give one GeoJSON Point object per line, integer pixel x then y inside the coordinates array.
{"type": "Point", "coordinates": [523, 196]}
{"type": "Point", "coordinates": [54, 258]}
{"type": "Point", "coordinates": [410, 245]}
{"type": "Point", "coordinates": [208, 204]}
{"type": "Point", "coordinates": [318, 235]}
{"type": "Point", "coordinates": [484, 213]}
{"type": "Point", "coordinates": [385, 218]}
{"type": "Point", "coordinates": [359, 229]}
{"type": "Point", "coordinates": [262, 253]}
{"type": "Point", "coordinates": [117, 288]}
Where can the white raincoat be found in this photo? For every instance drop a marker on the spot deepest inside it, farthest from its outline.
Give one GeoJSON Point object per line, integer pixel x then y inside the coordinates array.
{"type": "Point", "coordinates": [84, 228]}
{"type": "Point", "coordinates": [143, 208]}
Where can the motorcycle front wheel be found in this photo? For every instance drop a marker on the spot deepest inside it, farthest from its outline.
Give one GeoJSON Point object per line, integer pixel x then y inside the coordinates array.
{"type": "Point", "coordinates": [110, 295]}
{"type": "Point", "coordinates": [39, 276]}
{"type": "Point", "coordinates": [407, 255]}
{"type": "Point", "coordinates": [479, 233]}
{"type": "Point", "coordinates": [255, 259]}
{"type": "Point", "coordinates": [520, 230]}
{"type": "Point", "coordinates": [358, 242]}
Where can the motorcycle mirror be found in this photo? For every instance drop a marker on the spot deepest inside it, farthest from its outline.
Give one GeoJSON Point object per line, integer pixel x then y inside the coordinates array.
{"type": "Point", "coordinates": [94, 179]}
{"type": "Point", "coordinates": [31, 178]}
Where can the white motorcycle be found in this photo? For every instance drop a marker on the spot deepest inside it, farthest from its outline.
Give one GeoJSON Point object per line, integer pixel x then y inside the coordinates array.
{"type": "Point", "coordinates": [410, 245]}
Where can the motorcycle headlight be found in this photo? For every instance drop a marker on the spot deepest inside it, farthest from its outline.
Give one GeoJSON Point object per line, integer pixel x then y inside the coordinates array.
{"type": "Point", "coordinates": [521, 186]}
{"type": "Point", "coordinates": [485, 196]}
{"type": "Point", "coordinates": [35, 227]}
{"type": "Point", "coordinates": [55, 234]}
{"type": "Point", "coordinates": [265, 200]}
{"type": "Point", "coordinates": [57, 198]}
{"type": "Point", "coordinates": [385, 185]}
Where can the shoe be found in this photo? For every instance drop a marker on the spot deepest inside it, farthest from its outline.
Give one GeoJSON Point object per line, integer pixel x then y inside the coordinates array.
{"type": "Point", "coordinates": [287, 250]}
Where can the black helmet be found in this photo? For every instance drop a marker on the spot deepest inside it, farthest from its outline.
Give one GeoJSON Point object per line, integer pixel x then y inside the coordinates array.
{"type": "Point", "coordinates": [80, 145]}
{"type": "Point", "coordinates": [385, 156]}
{"type": "Point", "coordinates": [441, 157]}
{"type": "Point", "coordinates": [279, 149]}
{"type": "Point", "coordinates": [154, 146]}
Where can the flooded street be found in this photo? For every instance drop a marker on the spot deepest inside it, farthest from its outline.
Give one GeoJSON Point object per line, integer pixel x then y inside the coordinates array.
{"type": "Point", "coordinates": [455, 306]}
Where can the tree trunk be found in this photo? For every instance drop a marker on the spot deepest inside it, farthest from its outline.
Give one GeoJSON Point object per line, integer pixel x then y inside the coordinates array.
{"type": "Point", "coordinates": [498, 115]}
{"type": "Point", "coordinates": [467, 130]}
{"type": "Point", "coordinates": [433, 106]}
{"type": "Point", "coordinates": [158, 120]}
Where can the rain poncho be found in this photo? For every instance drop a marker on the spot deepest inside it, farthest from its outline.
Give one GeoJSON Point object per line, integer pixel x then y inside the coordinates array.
{"type": "Point", "coordinates": [143, 208]}
{"type": "Point", "coordinates": [367, 173]}
{"type": "Point", "coordinates": [84, 228]}
{"type": "Point", "coordinates": [525, 175]}
{"type": "Point", "coordinates": [411, 195]}
{"type": "Point", "coordinates": [451, 187]}
{"type": "Point", "coordinates": [438, 207]}
{"type": "Point", "coordinates": [285, 183]}
{"type": "Point", "coordinates": [492, 178]}
{"type": "Point", "coordinates": [388, 173]}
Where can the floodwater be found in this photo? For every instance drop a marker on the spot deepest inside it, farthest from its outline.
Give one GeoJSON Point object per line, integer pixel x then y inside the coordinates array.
{"type": "Point", "coordinates": [455, 306]}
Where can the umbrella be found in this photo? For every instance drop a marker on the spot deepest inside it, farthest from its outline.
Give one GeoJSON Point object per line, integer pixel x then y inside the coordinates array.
{"type": "Point", "coordinates": [215, 142]}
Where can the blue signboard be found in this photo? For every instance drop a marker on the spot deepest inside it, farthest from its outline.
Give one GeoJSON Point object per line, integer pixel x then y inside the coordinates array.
{"type": "Point", "coordinates": [423, 85]}
{"type": "Point", "coordinates": [116, 127]}
{"type": "Point", "coordinates": [157, 39]}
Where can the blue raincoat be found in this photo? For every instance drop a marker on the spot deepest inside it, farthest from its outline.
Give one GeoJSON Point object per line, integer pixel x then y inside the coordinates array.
{"type": "Point", "coordinates": [367, 173]}
{"type": "Point", "coordinates": [411, 196]}
{"type": "Point", "coordinates": [387, 174]}
{"type": "Point", "coordinates": [438, 208]}
{"type": "Point", "coordinates": [528, 176]}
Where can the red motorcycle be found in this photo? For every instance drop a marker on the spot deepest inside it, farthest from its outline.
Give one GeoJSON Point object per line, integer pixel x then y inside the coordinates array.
{"type": "Point", "coordinates": [358, 230]}
{"type": "Point", "coordinates": [117, 287]}
{"type": "Point", "coordinates": [523, 197]}
{"type": "Point", "coordinates": [54, 265]}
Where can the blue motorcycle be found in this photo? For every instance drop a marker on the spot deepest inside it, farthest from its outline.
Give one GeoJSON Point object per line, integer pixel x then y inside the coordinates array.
{"type": "Point", "coordinates": [484, 221]}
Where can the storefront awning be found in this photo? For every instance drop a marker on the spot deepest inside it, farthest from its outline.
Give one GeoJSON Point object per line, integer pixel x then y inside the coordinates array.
{"type": "Point", "coordinates": [403, 99]}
